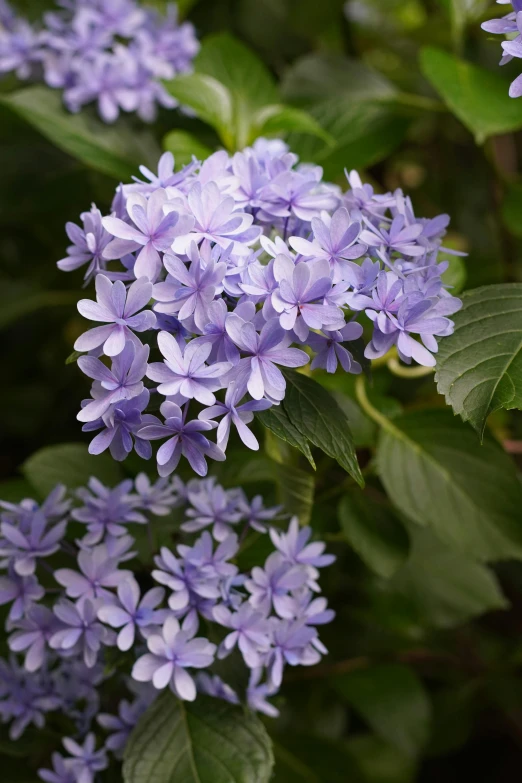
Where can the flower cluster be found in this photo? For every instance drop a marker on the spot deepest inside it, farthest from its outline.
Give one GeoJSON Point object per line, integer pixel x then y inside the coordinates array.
{"type": "Point", "coordinates": [64, 639]}
{"type": "Point", "coordinates": [509, 24]}
{"type": "Point", "coordinates": [250, 263]}
{"type": "Point", "coordinates": [110, 51]}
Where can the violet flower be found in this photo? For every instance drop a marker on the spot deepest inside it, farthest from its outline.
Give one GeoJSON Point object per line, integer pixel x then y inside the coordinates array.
{"type": "Point", "coordinates": [131, 613]}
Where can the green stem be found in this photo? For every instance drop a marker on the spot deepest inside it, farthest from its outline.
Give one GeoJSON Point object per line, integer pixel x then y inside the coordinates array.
{"type": "Point", "coordinates": [401, 371]}
{"type": "Point", "coordinates": [362, 398]}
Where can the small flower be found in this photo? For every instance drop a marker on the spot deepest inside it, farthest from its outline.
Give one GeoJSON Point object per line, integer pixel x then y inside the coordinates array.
{"type": "Point", "coordinates": [238, 415]}
{"type": "Point", "coordinates": [85, 760]}
{"type": "Point", "coordinates": [24, 548]}
{"type": "Point", "coordinates": [23, 591]}
{"type": "Point", "coordinates": [158, 498]}
{"type": "Point", "coordinates": [250, 632]}
{"type": "Point", "coordinates": [98, 572]}
{"type": "Point", "coordinates": [271, 585]}
{"type": "Point", "coordinates": [107, 511]}
{"type": "Point", "coordinates": [171, 653]}
{"type": "Point", "coordinates": [131, 613]}
{"type": "Point", "coordinates": [215, 687]}
{"type": "Point", "coordinates": [153, 231]}
{"type": "Point", "coordinates": [87, 246]}
{"type": "Point", "coordinates": [212, 505]}
{"type": "Point", "coordinates": [117, 307]}
{"type": "Point", "coordinates": [82, 631]}
{"type": "Point", "coordinates": [61, 772]}
{"type": "Point", "coordinates": [330, 351]}
{"type": "Point", "coordinates": [33, 634]}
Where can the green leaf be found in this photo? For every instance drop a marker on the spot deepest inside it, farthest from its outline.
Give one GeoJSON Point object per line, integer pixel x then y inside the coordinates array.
{"type": "Point", "coordinates": [393, 702]}
{"type": "Point", "coordinates": [435, 472]}
{"type": "Point", "coordinates": [444, 588]}
{"type": "Point", "coordinates": [277, 421]}
{"type": "Point", "coordinates": [69, 464]}
{"type": "Point", "coordinates": [183, 146]}
{"type": "Point", "coordinates": [364, 134]}
{"type": "Point", "coordinates": [238, 68]}
{"type": "Point", "coordinates": [209, 98]}
{"type": "Point", "coordinates": [478, 97]}
{"type": "Point", "coordinates": [321, 75]}
{"type": "Point", "coordinates": [381, 762]}
{"type": "Point", "coordinates": [315, 413]}
{"type": "Point", "coordinates": [207, 741]}
{"type": "Point", "coordinates": [479, 367]}
{"type": "Point", "coordinates": [374, 532]}
{"type": "Point", "coordinates": [309, 759]}
{"type": "Point", "coordinates": [276, 119]}
{"type": "Point", "coordinates": [116, 150]}
{"type": "Point", "coordinates": [296, 490]}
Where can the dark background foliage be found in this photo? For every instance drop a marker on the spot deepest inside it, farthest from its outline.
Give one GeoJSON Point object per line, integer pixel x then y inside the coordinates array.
{"type": "Point", "coordinates": [423, 682]}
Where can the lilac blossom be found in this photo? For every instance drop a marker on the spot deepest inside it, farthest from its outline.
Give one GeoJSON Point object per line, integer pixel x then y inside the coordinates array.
{"type": "Point", "coordinates": [291, 644]}
{"type": "Point", "coordinates": [107, 511]}
{"type": "Point", "coordinates": [122, 724]}
{"type": "Point", "coordinates": [256, 515]}
{"type": "Point", "coordinates": [183, 438]}
{"type": "Point", "coordinates": [87, 245]}
{"type": "Point", "coordinates": [300, 296]}
{"type": "Point", "coordinates": [32, 635]}
{"type": "Point", "coordinates": [330, 350]}
{"type": "Point", "coordinates": [265, 350]}
{"type": "Point", "coordinates": [23, 548]}
{"type": "Point", "coordinates": [61, 772]}
{"type": "Point", "coordinates": [85, 761]}
{"type": "Point", "coordinates": [20, 591]}
{"type": "Point", "coordinates": [130, 612]}
{"type": "Point", "coordinates": [233, 413]}
{"type": "Point", "coordinates": [118, 307]}
{"type": "Point", "coordinates": [212, 505]}
{"type": "Point", "coordinates": [81, 632]}
{"type": "Point", "coordinates": [97, 572]}
{"type": "Point", "coordinates": [335, 239]}
{"type": "Point", "coordinates": [171, 654]}
{"type": "Point", "coordinates": [122, 382]}
{"type": "Point", "coordinates": [271, 585]}
{"type": "Point", "coordinates": [250, 632]}
{"type": "Point", "coordinates": [295, 549]}
{"type": "Point", "coordinates": [120, 425]}
{"type": "Point", "coordinates": [215, 687]}
{"type": "Point", "coordinates": [153, 231]}
{"type": "Point", "coordinates": [159, 498]}
{"type": "Point", "coordinates": [186, 372]}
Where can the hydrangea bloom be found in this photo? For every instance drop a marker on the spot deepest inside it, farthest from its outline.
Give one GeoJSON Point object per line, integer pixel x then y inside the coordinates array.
{"type": "Point", "coordinates": [111, 53]}
{"type": "Point", "coordinates": [60, 639]}
{"type": "Point", "coordinates": [507, 25]}
{"type": "Point", "coordinates": [252, 264]}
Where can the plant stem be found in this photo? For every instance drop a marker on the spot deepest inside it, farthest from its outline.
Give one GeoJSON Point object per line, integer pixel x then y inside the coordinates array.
{"type": "Point", "coordinates": [401, 371]}
{"type": "Point", "coordinates": [362, 398]}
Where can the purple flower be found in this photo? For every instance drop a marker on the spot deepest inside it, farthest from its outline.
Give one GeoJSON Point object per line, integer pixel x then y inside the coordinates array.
{"type": "Point", "coordinates": [131, 613]}
{"type": "Point", "coordinates": [212, 505]}
{"type": "Point", "coordinates": [300, 296]}
{"type": "Point", "coordinates": [297, 193]}
{"type": "Point", "coordinates": [122, 382]}
{"type": "Point", "coordinates": [295, 549]}
{"type": "Point", "coordinates": [158, 498]}
{"type": "Point", "coordinates": [107, 511]}
{"type": "Point", "coordinates": [87, 246]}
{"type": "Point", "coordinates": [215, 687]}
{"type": "Point", "coordinates": [152, 232]}
{"type": "Point", "coordinates": [202, 559]}
{"type": "Point", "coordinates": [216, 220]}
{"type": "Point", "coordinates": [82, 632]}
{"type": "Point", "coordinates": [186, 372]}
{"type": "Point", "coordinates": [183, 438]}
{"type": "Point", "coordinates": [171, 653]}
{"type": "Point", "coordinates": [189, 291]}
{"type": "Point", "coordinates": [33, 634]}
{"type": "Point", "coordinates": [238, 415]}
{"type": "Point", "coordinates": [399, 237]}
{"type": "Point", "coordinates": [250, 632]}
{"type": "Point", "coordinates": [271, 585]}
{"type": "Point", "coordinates": [86, 761]}
{"type": "Point", "coordinates": [257, 694]}
{"type": "Point", "coordinates": [122, 724]}
{"type": "Point", "coordinates": [119, 309]}
{"type": "Point", "coordinates": [185, 580]}
{"type": "Point", "coordinates": [291, 644]}
{"type": "Point", "coordinates": [98, 572]}
{"type": "Point", "coordinates": [335, 240]}
{"type": "Point", "coordinates": [165, 178]}
{"type": "Point", "coordinates": [23, 591]}
{"type": "Point", "coordinates": [25, 547]}
{"type": "Point", "coordinates": [60, 773]}
{"type": "Point", "coordinates": [266, 349]}
{"type": "Point", "coordinates": [330, 351]}
{"type": "Point", "coordinates": [120, 428]}
{"type": "Point", "coordinates": [256, 515]}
